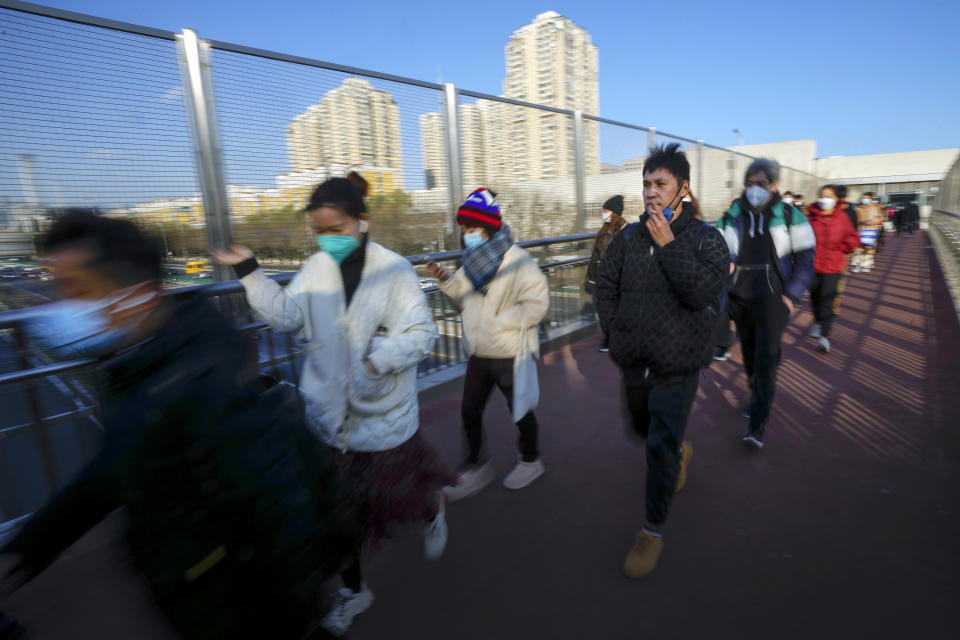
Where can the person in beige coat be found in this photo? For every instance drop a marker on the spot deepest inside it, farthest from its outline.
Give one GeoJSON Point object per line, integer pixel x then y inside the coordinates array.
{"type": "Point", "coordinates": [503, 296]}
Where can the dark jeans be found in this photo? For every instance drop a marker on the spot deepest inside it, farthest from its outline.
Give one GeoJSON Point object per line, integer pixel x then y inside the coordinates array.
{"type": "Point", "coordinates": [824, 289]}
{"type": "Point", "coordinates": [482, 375]}
{"type": "Point", "coordinates": [658, 409]}
{"type": "Point", "coordinates": [724, 336]}
{"type": "Point", "coordinates": [760, 324]}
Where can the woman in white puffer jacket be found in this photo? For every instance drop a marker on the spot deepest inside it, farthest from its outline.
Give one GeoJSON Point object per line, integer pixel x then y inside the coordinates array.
{"type": "Point", "coordinates": [365, 326]}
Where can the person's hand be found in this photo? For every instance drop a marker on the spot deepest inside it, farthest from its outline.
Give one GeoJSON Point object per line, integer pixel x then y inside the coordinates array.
{"type": "Point", "coordinates": [790, 306]}
{"type": "Point", "coordinates": [438, 272]}
{"type": "Point", "coordinates": [659, 229]}
{"type": "Point", "coordinates": [13, 574]}
{"type": "Point", "coordinates": [733, 268]}
{"type": "Point", "coordinates": [231, 256]}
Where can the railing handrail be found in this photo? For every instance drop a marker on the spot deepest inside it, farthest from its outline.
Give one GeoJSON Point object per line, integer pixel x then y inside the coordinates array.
{"type": "Point", "coordinates": [82, 18]}
{"type": "Point", "coordinates": [949, 213]}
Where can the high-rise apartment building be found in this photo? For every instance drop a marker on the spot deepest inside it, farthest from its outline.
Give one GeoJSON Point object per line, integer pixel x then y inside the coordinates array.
{"type": "Point", "coordinates": [354, 124]}
{"type": "Point", "coordinates": [474, 146]}
{"type": "Point", "coordinates": [553, 62]}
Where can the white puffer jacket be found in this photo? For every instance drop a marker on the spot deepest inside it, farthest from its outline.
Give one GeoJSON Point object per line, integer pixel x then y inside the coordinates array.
{"type": "Point", "coordinates": [347, 407]}
{"type": "Point", "coordinates": [518, 296]}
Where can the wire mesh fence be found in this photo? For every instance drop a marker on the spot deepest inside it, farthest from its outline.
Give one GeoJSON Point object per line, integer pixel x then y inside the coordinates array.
{"type": "Point", "coordinates": [90, 117]}
{"type": "Point", "coordinates": [94, 115]}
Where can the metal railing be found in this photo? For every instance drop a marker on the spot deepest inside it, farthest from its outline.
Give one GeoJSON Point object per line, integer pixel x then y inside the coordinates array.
{"type": "Point", "coordinates": [208, 141]}
{"type": "Point", "coordinates": [945, 235]}
{"type": "Point", "coordinates": [57, 430]}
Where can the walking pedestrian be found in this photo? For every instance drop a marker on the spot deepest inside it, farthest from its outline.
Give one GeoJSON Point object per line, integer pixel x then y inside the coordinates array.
{"type": "Point", "coordinates": [229, 504]}
{"type": "Point", "coordinates": [870, 228]}
{"type": "Point", "coordinates": [771, 245]}
{"type": "Point", "coordinates": [911, 218]}
{"type": "Point", "coordinates": [365, 326]}
{"type": "Point", "coordinates": [502, 296]}
{"type": "Point", "coordinates": [613, 223]}
{"type": "Point", "coordinates": [654, 296]}
{"type": "Point", "coordinates": [836, 238]}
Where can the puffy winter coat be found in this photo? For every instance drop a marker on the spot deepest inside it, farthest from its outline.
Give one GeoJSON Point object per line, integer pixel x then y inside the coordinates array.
{"type": "Point", "coordinates": [653, 301]}
{"type": "Point", "coordinates": [517, 297]}
{"type": "Point", "coordinates": [836, 237]}
{"type": "Point", "coordinates": [794, 246]}
{"type": "Point", "coordinates": [347, 406]}
{"type": "Point", "coordinates": [229, 503]}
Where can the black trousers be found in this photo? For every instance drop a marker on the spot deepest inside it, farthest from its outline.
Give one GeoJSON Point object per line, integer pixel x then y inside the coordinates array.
{"type": "Point", "coordinates": [482, 375]}
{"type": "Point", "coordinates": [760, 324]}
{"type": "Point", "coordinates": [723, 338]}
{"type": "Point", "coordinates": [658, 409]}
{"type": "Point", "coordinates": [824, 289]}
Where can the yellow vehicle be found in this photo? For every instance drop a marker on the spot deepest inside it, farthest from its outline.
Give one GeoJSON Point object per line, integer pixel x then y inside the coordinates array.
{"type": "Point", "coordinates": [196, 268]}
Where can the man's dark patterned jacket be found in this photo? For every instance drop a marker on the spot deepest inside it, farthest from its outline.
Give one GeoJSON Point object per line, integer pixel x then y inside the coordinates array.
{"type": "Point", "coordinates": [653, 301]}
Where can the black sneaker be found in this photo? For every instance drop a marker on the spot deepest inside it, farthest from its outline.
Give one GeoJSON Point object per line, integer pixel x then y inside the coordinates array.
{"type": "Point", "coordinates": [754, 437]}
{"type": "Point", "coordinates": [720, 354]}
{"type": "Point", "coordinates": [603, 348]}
{"type": "Point", "coordinates": [753, 441]}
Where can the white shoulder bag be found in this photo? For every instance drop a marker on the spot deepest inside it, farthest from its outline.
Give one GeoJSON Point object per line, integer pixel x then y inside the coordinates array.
{"type": "Point", "coordinates": [526, 387]}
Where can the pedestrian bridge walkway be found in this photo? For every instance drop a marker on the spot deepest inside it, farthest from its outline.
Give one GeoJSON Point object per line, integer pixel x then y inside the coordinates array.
{"type": "Point", "coordinates": [845, 526]}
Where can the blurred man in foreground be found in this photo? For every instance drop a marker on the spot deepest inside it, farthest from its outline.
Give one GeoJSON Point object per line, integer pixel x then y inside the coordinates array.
{"type": "Point", "coordinates": [226, 497]}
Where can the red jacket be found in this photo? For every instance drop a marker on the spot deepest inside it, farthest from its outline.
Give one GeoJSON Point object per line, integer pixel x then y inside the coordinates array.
{"type": "Point", "coordinates": [836, 237]}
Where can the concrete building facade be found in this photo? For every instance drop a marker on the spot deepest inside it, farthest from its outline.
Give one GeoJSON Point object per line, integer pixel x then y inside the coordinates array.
{"type": "Point", "coordinates": [354, 124]}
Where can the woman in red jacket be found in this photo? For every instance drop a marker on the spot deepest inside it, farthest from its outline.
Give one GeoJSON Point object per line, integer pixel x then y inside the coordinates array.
{"type": "Point", "coordinates": [836, 237]}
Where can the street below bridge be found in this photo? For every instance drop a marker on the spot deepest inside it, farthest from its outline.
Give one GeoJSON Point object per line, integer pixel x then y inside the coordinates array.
{"type": "Point", "coordinates": [846, 525]}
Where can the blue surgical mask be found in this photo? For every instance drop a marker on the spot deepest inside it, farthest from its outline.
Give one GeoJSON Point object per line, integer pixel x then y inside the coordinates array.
{"type": "Point", "coordinates": [473, 239]}
{"type": "Point", "coordinates": [668, 211]}
{"type": "Point", "coordinates": [339, 247]}
{"type": "Point", "coordinates": [82, 328]}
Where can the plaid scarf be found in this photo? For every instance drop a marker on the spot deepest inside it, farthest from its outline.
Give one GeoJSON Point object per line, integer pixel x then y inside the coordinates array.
{"type": "Point", "coordinates": [482, 262]}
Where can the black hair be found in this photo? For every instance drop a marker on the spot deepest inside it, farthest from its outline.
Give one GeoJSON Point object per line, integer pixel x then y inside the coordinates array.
{"type": "Point", "coordinates": [339, 192]}
{"type": "Point", "coordinates": [798, 196]}
{"type": "Point", "coordinates": [867, 194]}
{"type": "Point", "coordinates": [840, 190]}
{"type": "Point", "coordinates": [669, 157]}
{"type": "Point", "coordinates": [119, 250]}
{"type": "Point", "coordinates": [788, 193]}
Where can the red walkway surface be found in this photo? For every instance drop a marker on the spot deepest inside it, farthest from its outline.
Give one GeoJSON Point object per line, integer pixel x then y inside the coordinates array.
{"type": "Point", "coordinates": [847, 525]}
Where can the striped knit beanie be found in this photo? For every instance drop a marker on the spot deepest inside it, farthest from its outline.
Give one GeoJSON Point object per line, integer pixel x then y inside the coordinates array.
{"type": "Point", "coordinates": [480, 210]}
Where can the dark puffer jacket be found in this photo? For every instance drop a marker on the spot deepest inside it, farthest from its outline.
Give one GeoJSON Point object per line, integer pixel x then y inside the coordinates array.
{"type": "Point", "coordinates": [653, 301]}
{"type": "Point", "coordinates": [230, 508]}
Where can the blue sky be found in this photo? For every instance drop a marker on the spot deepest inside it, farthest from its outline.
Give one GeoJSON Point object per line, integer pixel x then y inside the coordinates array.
{"type": "Point", "coordinates": [858, 76]}
{"type": "Point", "coordinates": [102, 116]}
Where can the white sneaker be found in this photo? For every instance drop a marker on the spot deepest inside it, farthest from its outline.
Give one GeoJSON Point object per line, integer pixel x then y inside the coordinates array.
{"type": "Point", "coordinates": [814, 331]}
{"type": "Point", "coordinates": [435, 534]}
{"type": "Point", "coordinates": [346, 607]}
{"type": "Point", "coordinates": [823, 345]}
{"type": "Point", "coordinates": [472, 480]}
{"type": "Point", "coordinates": [523, 474]}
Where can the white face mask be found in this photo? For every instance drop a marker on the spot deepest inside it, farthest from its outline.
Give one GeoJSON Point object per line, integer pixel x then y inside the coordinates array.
{"type": "Point", "coordinates": [607, 216]}
{"type": "Point", "coordinates": [788, 200]}
{"type": "Point", "coordinates": [826, 204]}
{"type": "Point", "coordinates": [756, 196]}
{"type": "Point", "coordinates": [866, 201]}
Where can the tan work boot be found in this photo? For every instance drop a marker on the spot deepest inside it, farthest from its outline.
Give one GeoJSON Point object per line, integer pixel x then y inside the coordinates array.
{"type": "Point", "coordinates": [643, 556]}
{"type": "Point", "coordinates": [684, 461]}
